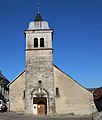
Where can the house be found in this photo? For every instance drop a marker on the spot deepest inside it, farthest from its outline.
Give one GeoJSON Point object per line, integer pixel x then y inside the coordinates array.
{"type": "Point", "coordinates": [42, 88]}
{"type": "Point", "coordinates": [97, 93]}
{"type": "Point", "coordinates": [4, 90]}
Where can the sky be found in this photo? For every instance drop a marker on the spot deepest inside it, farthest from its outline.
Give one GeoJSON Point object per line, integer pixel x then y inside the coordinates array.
{"type": "Point", "coordinates": [77, 40]}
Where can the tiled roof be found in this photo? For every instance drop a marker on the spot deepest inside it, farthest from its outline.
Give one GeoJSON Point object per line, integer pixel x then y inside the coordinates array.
{"type": "Point", "coordinates": [97, 93]}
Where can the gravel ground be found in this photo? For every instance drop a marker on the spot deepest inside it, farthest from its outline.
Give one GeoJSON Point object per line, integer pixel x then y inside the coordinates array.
{"type": "Point", "coordinates": [15, 116]}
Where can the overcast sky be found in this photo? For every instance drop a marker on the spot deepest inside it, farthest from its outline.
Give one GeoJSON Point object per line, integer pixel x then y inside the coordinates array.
{"type": "Point", "coordinates": [77, 40]}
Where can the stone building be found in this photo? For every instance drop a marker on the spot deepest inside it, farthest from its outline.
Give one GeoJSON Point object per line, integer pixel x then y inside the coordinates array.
{"type": "Point", "coordinates": [42, 88]}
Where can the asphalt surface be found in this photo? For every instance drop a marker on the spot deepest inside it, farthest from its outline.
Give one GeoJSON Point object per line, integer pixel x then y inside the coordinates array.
{"type": "Point", "coordinates": [15, 116]}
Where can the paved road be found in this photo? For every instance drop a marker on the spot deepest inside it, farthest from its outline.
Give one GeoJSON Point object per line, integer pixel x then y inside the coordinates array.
{"type": "Point", "coordinates": [14, 116]}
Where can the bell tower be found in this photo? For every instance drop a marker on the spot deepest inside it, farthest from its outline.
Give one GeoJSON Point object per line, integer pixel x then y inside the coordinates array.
{"type": "Point", "coordinates": [39, 78]}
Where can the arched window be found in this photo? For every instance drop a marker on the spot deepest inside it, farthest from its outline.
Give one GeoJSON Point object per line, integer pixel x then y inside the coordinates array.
{"type": "Point", "coordinates": [41, 42]}
{"type": "Point", "coordinates": [35, 42]}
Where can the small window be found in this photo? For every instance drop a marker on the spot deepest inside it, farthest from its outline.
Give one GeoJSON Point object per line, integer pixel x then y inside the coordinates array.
{"type": "Point", "coordinates": [23, 94]}
{"type": "Point", "coordinates": [35, 42]}
{"type": "Point", "coordinates": [41, 42]}
{"type": "Point", "coordinates": [57, 92]}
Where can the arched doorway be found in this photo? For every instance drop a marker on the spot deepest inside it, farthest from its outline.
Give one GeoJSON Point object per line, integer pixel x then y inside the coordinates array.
{"type": "Point", "coordinates": [39, 105]}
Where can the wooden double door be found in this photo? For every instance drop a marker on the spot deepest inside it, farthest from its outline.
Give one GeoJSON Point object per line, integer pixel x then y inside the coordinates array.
{"type": "Point", "coordinates": [39, 105]}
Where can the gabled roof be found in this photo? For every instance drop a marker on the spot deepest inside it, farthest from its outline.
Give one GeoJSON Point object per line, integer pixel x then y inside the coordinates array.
{"type": "Point", "coordinates": [59, 70]}
{"type": "Point", "coordinates": [72, 79]}
{"type": "Point", "coordinates": [16, 78]}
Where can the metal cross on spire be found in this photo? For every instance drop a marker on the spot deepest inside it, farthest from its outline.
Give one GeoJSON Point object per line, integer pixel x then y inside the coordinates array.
{"type": "Point", "coordinates": [38, 6]}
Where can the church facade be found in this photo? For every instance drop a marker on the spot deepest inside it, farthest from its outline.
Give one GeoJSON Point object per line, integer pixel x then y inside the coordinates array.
{"type": "Point", "coordinates": [42, 88]}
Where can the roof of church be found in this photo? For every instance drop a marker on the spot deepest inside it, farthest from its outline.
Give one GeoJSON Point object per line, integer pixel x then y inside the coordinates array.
{"type": "Point", "coordinates": [38, 23]}
{"type": "Point", "coordinates": [38, 17]}
{"type": "Point", "coordinates": [59, 70]}
{"type": "Point", "coordinates": [72, 78]}
{"type": "Point", "coordinates": [16, 77]}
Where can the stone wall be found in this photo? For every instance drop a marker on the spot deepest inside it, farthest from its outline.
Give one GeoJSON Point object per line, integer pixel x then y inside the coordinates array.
{"type": "Point", "coordinates": [73, 97]}
{"type": "Point", "coordinates": [39, 66]}
{"type": "Point", "coordinates": [16, 93]}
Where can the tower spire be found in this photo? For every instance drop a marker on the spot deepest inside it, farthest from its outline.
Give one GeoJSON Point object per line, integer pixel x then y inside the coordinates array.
{"type": "Point", "coordinates": [38, 16]}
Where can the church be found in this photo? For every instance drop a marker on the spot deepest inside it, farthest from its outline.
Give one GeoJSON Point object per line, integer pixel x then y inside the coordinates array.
{"type": "Point", "coordinates": [42, 88]}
